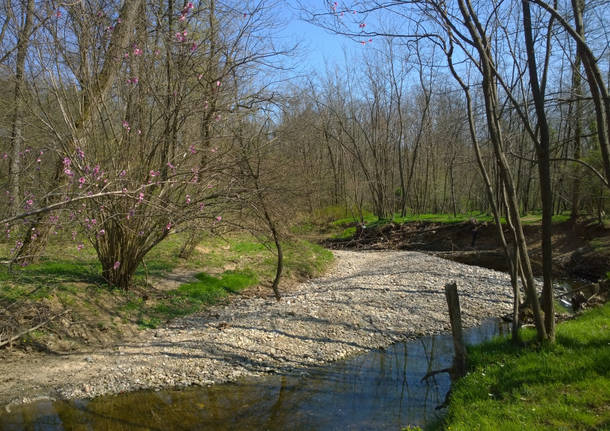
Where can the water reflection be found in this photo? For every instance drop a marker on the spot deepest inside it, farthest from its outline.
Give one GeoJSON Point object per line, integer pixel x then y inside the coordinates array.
{"type": "Point", "coordinates": [381, 389]}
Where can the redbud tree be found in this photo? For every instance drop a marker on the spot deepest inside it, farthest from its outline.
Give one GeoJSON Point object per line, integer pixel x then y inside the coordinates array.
{"type": "Point", "coordinates": [134, 101]}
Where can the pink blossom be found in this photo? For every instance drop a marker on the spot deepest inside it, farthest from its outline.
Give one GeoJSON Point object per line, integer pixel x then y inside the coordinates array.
{"type": "Point", "coordinates": [182, 17]}
{"type": "Point", "coordinates": [102, 232]}
{"type": "Point", "coordinates": [188, 199]}
{"type": "Point", "coordinates": [218, 83]}
{"type": "Point", "coordinates": [29, 203]}
{"type": "Point", "coordinates": [193, 47]}
{"type": "Point", "coordinates": [126, 125]}
{"type": "Point", "coordinates": [68, 172]}
{"type": "Point", "coordinates": [192, 149]}
{"type": "Point", "coordinates": [81, 181]}
{"type": "Point", "coordinates": [67, 162]}
{"type": "Point", "coordinates": [152, 173]}
{"type": "Point", "coordinates": [140, 197]}
{"type": "Point", "coordinates": [218, 218]}
{"type": "Point", "coordinates": [169, 165]}
{"type": "Point", "coordinates": [116, 265]}
{"type": "Point", "coordinates": [169, 226]}
{"type": "Point", "coordinates": [5, 156]}
{"type": "Point", "coordinates": [137, 52]}
{"type": "Point", "coordinates": [139, 132]}
{"type": "Point", "coordinates": [126, 55]}
{"type": "Point", "coordinates": [200, 76]}
{"type": "Point", "coordinates": [80, 247]}
{"type": "Point", "coordinates": [218, 117]}
{"type": "Point", "coordinates": [80, 153]}
{"type": "Point", "coordinates": [119, 20]}
{"type": "Point", "coordinates": [123, 173]}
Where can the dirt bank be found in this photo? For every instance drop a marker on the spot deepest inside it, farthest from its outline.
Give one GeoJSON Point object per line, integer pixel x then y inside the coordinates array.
{"type": "Point", "coordinates": [369, 300]}
{"type": "Point", "coordinates": [581, 250]}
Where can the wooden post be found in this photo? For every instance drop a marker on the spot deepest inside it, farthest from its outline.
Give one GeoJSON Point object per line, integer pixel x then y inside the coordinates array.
{"type": "Point", "coordinates": [455, 317]}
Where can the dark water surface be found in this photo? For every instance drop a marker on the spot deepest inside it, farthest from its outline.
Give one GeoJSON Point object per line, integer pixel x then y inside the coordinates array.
{"type": "Point", "coordinates": [381, 389]}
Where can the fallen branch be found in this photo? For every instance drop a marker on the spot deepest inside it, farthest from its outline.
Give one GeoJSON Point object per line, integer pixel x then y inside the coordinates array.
{"type": "Point", "coordinates": [578, 289]}
{"type": "Point", "coordinates": [21, 334]}
{"type": "Point", "coordinates": [435, 372]}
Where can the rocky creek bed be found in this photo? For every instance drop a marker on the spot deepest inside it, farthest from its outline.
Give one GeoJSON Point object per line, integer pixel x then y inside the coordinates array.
{"type": "Point", "coordinates": [369, 300]}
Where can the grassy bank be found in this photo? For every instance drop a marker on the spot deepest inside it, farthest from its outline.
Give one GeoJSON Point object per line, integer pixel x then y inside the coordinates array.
{"type": "Point", "coordinates": [562, 387]}
{"type": "Point", "coordinates": [165, 286]}
{"type": "Point", "coordinates": [344, 227]}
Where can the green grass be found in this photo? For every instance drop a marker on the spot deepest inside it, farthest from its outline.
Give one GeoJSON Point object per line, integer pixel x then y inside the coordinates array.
{"type": "Point", "coordinates": [347, 229]}
{"type": "Point", "coordinates": [443, 218]}
{"type": "Point", "coordinates": [561, 387]}
{"type": "Point", "coordinates": [253, 262]}
{"type": "Point", "coordinates": [192, 297]}
{"type": "Point", "coordinates": [225, 266]}
{"type": "Point", "coordinates": [345, 221]}
{"type": "Point", "coordinates": [536, 218]}
{"type": "Point", "coordinates": [348, 223]}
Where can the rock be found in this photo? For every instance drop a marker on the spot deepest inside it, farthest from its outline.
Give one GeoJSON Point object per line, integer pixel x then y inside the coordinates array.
{"type": "Point", "coordinates": [369, 300]}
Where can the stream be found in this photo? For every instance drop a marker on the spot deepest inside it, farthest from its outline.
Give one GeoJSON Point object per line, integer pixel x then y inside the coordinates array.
{"type": "Point", "coordinates": [380, 389]}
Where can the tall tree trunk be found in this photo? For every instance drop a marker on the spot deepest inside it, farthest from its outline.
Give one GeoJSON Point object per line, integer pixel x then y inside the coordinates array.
{"type": "Point", "coordinates": [491, 111]}
{"type": "Point", "coordinates": [512, 259]}
{"type": "Point", "coordinates": [576, 94]}
{"type": "Point", "coordinates": [543, 149]}
{"type": "Point", "coordinates": [17, 127]}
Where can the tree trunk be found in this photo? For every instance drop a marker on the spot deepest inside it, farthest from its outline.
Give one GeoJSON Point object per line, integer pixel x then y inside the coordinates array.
{"type": "Point", "coordinates": [543, 149]}
{"type": "Point", "coordinates": [495, 131]}
{"type": "Point", "coordinates": [17, 126]}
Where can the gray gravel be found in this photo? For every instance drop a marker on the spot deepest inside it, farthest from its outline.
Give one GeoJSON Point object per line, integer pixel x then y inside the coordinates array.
{"type": "Point", "coordinates": [369, 300]}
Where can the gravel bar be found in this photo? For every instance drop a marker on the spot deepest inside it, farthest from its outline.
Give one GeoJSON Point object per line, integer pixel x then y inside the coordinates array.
{"type": "Point", "coordinates": [369, 300]}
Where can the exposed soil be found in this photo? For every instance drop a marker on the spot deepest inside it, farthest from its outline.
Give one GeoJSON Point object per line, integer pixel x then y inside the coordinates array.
{"type": "Point", "coordinates": [581, 250]}
{"type": "Point", "coordinates": [369, 300]}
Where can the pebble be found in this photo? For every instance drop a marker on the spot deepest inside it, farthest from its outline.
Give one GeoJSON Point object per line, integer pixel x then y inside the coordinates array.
{"type": "Point", "coordinates": [369, 300]}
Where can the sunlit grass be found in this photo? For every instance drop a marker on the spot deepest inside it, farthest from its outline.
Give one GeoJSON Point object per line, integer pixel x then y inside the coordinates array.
{"type": "Point", "coordinates": [564, 386]}
{"type": "Point", "coordinates": [348, 230]}
{"type": "Point", "coordinates": [224, 266]}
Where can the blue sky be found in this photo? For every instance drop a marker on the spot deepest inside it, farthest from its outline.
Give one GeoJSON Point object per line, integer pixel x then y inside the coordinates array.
{"type": "Point", "coordinates": [319, 47]}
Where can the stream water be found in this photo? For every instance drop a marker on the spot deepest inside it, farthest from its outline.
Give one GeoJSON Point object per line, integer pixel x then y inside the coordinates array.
{"type": "Point", "coordinates": [381, 389]}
